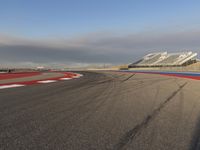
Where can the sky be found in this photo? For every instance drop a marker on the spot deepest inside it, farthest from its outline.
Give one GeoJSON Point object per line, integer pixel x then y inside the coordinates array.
{"type": "Point", "coordinates": [89, 32]}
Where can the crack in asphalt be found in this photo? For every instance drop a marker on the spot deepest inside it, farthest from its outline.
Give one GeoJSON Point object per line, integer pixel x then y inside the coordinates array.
{"type": "Point", "coordinates": [131, 134]}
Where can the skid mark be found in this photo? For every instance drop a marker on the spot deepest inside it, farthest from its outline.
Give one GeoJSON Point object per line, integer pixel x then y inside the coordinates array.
{"type": "Point", "coordinates": [131, 134]}
{"type": "Point", "coordinates": [128, 78]}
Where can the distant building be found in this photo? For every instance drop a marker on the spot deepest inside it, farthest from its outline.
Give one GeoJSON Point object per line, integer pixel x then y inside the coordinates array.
{"type": "Point", "coordinates": [164, 59]}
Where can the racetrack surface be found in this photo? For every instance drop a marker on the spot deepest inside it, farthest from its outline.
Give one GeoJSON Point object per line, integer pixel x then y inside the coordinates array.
{"type": "Point", "coordinates": [106, 110]}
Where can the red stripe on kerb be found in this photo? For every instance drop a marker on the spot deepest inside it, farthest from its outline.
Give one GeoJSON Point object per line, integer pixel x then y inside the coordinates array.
{"type": "Point", "coordinates": [172, 75]}
{"type": "Point", "coordinates": [4, 76]}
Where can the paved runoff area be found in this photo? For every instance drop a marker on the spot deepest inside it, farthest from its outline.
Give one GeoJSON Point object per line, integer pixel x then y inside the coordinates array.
{"type": "Point", "coordinates": [102, 111]}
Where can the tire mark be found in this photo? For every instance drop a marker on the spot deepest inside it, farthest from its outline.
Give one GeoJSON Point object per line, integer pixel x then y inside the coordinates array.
{"type": "Point", "coordinates": [131, 134]}
{"type": "Point", "coordinates": [56, 119]}
{"type": "Point", "coordinates": [128, 78]}
{"type": "Point", "coordinates": [195, 141]}
{"type": "Point", "coordinates": [140, 85]}
{"type": "Point", "coordinates": [104, 81]}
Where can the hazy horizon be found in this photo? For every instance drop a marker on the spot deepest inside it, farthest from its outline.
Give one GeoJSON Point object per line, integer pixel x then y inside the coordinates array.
{"type": "Point", "coordinates": [77, 33]}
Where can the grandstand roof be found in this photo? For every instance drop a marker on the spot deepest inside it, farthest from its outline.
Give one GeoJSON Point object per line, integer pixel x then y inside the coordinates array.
{"type": "Point", "coordinates": [164, 59]}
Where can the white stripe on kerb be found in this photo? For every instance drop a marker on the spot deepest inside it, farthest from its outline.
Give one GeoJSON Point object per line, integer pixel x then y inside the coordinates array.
{"type": "Point", "coordinates": [65, 78]}
{"type": "Point", "coordinates": [11, 86]}
{"type": "Point", "coordinates": [47, 81]}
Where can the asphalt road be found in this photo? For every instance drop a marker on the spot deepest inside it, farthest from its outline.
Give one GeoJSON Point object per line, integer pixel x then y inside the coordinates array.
{"type": "Point", "coordinates": [102, 111]}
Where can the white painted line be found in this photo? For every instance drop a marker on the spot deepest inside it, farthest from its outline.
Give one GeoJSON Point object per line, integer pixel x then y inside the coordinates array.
{"type": "Point", "coordinates": [11, 86]}
{"type": "Point", "coordinates": [47, 81]}
{"type": "Point", "coordinates": [65, 78]}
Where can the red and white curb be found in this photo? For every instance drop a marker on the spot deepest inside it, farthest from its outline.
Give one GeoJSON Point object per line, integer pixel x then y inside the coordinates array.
{"type": "Point", "coordinates": [67, 76]}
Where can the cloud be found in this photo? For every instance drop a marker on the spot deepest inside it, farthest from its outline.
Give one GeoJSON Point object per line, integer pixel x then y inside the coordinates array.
{"type": "Point", "coordinates": [95, 48]}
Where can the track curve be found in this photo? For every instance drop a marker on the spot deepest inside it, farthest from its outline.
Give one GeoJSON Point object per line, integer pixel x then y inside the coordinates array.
{"type": "Point", "coordinates": [103, 110]}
